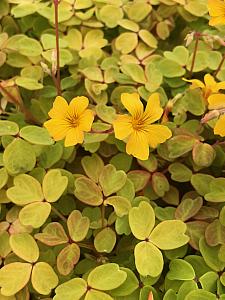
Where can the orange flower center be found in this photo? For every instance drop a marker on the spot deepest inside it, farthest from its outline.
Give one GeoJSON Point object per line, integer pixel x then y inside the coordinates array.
{"type": "Point", "coordinates": [73, 121]}
{"type": "Point", "coordinates": [138, 124]}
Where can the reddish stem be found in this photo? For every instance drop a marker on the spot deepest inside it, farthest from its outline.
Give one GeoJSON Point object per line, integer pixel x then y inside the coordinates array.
{"type": "Point", "coordinates": [58, 81]}
{"type": "Point", "coordinates": [197, 37]}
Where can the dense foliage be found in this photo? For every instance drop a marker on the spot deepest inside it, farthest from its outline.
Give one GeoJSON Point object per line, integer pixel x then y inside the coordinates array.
{"type": "Point", "coordinates": [100, 215]}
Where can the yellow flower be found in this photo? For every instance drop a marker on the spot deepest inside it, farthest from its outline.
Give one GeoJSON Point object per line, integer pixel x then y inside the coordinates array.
{"type": "Point", "coordinates": [137, 127]}
{"type": "Point", "coordinates": [217, 102]}
{"type": "Point", "coordinates": [217, 12]}
{"type": "Point", "coordinates": [69, 121]}
{"type": "Point", "coordinates": [209, 86]}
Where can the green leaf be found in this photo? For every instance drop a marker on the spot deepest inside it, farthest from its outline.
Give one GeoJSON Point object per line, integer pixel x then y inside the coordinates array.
{"type": "Point", "coordinates": [78, 226]}
{"type": "Point", "coordinates": [92, 166]}
{"type": "Point", "coordinates": [201, 183]}
{"type": "Point", "coordinates": [135, 71]}
{"type": "Point", "coordinates": [53, 234]}
{"type": "Point", "coordinates": [148, 259]}
{"type": "Point", "coordinates": [180, 145]}
{"type": "Point", "coordinates": [180, 270]}
{"type": "Point", "coordinates": [5, 248]}
{"type": "Point", "coordinates": [210, 255]}
{"type": "Point", "coordinates": [217, 190]}
{"type": "Point", "coordinates": [180, 172]}
{"type": "Point", "coordinates": [26, 190]}
{"type": "Point", "coordinates": [43, 278]}
{"type": "Point", "coordinates": [160, 184]}
{"type": "Point", "coordinates": [128, 287]}
{"type": "Point", "coordinates": [8, 128]}
{"type": "Point", "coordinates": [35, 214]}
{"type": "Point", "coordinates": [209, 281]}
{"type": "Point", "coordinates": [179, 54]}
{"type": "Point", "coordinates": [73, 289]}
{"type": "Point", "coordinates": [139, 10]}
{"type": "Point", "coordinates": [200, 295]}
{"type": "Point", "coordinates": [24, 9]}
{"type": "Point", "coordinates": [88, 192]}
{"type": "Point", "coordinates": [111, 180]}
{"type": "Point", "coordinates": [97, 295]}
{"type": "Point", "coordinates": [105, 240]}
{"type": "Point", "coordinates": [110, 15]}
{"type": "Point", "coordinates": [13, 277]}
{"type": "Point", "coordinates": [148, 38]}
{"type": "Point", "coordinates": [36, 135]}
{"type": "Point", "coordinates": [106, 277]}
{"type": "Point", "coordinates": [106, 113]}
{"type": "Point", "coordinates": [169, 235]}
{"type": "Point", "coordinates": [170, 68]}
{"type": "Point", "coordinates": [142, 220]}
{"type": "Point", "coordinates": [203, 155]}
{"type": "Point", "coordinates": [120, 204]}
{"type": "Point", "coordinates": [48, 41]}
{"type": "Point", "coordinates": [19, 157]}
{"type": "Point", "coordinates": [67, 259]}
{"type": "Point", "coordinates": [29, 83]}
{"type": "Point", "coordinates": [54, 184]}
{"type": "Point", "coordinates": [24, 246]}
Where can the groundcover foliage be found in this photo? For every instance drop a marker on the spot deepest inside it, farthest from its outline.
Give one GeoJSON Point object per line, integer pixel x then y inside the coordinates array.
{"type": "Point", "coordinates": [112, 152]}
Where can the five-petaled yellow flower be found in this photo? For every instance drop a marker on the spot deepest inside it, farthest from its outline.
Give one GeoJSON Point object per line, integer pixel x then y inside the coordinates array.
{"type": "Point", "coordinates": [137, 128]}
{"type": "Point", "coordinates": [217, 12]}
{"type": "Point", "coordinates": [69, 121]}
{"type": "Point", "coordinates": [209, 86]}
{"type": "Point", "coordinates": [217, 102]}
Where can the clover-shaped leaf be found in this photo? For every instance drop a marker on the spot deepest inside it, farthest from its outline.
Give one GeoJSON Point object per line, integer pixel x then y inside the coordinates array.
{"type": "Point", "coordinates": [67, 258]}
{"type": "Point", "coordinates": [78, 226]}
{"type": "Point", "coordinates": [73, 289]}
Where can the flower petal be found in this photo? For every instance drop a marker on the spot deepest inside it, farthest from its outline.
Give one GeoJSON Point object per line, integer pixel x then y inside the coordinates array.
{"type": "Point", "coordinates": [133, 104]}
{"type": "Point", "coordinates": [221, 85]}
{"type": "Point", "coordinates": [59, 108]}
{"type": "Point", "coordinates": [77, 106]}
{"type": "Point", "coordinates": [217, 21]}
{"type": "Point", "coordinates": [220, 126]}
{"type": "Point", "coordinates": [216, 8]}
{"type": "Point", "coordinates": [158, 134]}
{"type": "Point", "coordinates": [195, 83]}
{"type": "Point", "coordinates": [153, 110]}
{"type": "Point", "coordinates": [137, 145]}
{"type": "Point", "coordinates": [73, 137]}
{"type": "Point", "coordinates": [123, 127]}
{"type": "Point", "coordinates": [210, 81]}
{"type": "Point", "coordinates": [216, 101]}
{"type": "Point", "coordinates": [86, 119]}
{"type": "Point", "coordinates": [57, 128]}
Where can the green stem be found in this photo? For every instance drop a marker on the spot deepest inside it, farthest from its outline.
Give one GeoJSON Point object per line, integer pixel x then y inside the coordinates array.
{"type": "Point", "coordinates": [59, 214]}
{"type": "Point", "coordinates": [58, 81]}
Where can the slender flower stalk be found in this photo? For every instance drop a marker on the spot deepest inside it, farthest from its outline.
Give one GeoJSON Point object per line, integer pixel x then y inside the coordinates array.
{"type": "Point", "coordinates": [57, 78]}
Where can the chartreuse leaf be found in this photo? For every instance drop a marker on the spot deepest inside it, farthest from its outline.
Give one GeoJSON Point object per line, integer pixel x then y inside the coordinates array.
{"type": "Point", "coordinates": [88, 192]}
{"type": "Point", "coordinates": [169, 234]}
{"type": "Point", "coordinates": [19, 157]}
{"type": "Point", "coordinates": [3, 177]}
{"type": "Point", "coordinates": [73, 289]}
{"type": "Point", "coordinates": [126, 42]}
{"type": "Point", "coordinates": [7, 297]}
{"type": "Point", "coordinates": [111, 180]}
{"type": "Point", "coordinates": [8, 128]}
{"type": "Point", "coordinates": [96, 295]}
{"type": "Point", "coordinates": [26, 190]}
{"type": "Point", "coordinates": [35, 214]}
{"type": "Point", "coordinates": [120, 204]}
{"type": "Point", "coordinates": [24, 246]}
{"type": "Point", "coordinates": [142, 220]}
{"type": "Point", "coordinates": [53, 234]}
{"type": "Point", "coordinates": [180, 270]}
{"type": "Point", "coordinates": [201, 183]}
{"type": "Point", "coordinates": [128, 287]}
{"type": "Point", "coordinates": [36, 135]}
{"type": "Point", "coordinates": [67, 258]}
{"type": "Point", "coordinates": [200, 295]}
{"type": "Point", "coordinates": [54, 184]}
{"type": "Point", "coordinates": [5, 248]}
{"type": "Point", "coordinates": [78, 226]}
{"type": "Point", "coordinates": [106, 277]}
{"type": "Point", "coordinates": [43, 278]}
{"type": "Point", "coordinates": [148, 259]}
{"type": "Point", "coordinates": [92, 166]}
{"type": "Point", "coordinates": [105, 240]}
{"type": "Point", "coordinates": [13, 277]}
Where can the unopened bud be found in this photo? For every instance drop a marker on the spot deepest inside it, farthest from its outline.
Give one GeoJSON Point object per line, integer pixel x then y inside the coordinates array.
{"type": "Point", "coordinates": [189, 38]}
{"type": "Point", "coordinates": [45, 68]}
{"type": "Point", "coordinates": [209, 116]}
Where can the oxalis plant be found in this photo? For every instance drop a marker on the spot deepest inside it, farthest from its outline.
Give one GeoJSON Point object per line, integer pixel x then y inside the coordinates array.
{"type": "Point", "coordinates": [112, 126]}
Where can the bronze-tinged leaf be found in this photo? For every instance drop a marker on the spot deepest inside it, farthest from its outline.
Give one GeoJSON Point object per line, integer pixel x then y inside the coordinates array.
{"type": "Point", "coordinates": [67, 259]}
{"type": "Point", "coordinates": [215, 233]}
{"type": "Point", "coordinates": [52, 235]}
{"type": "Point", "coordinates": [188, 208]}
{"type": "Point", "coordinates": [196, 230]}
